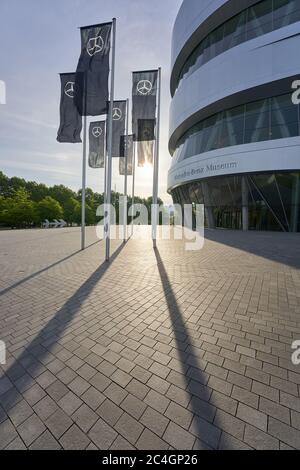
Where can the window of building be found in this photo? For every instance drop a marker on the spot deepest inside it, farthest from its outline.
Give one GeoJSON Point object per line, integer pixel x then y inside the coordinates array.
{"type": "Point", "coordinates": [261, 18]}
{"type": "Point", "coordinates": [269, 119]}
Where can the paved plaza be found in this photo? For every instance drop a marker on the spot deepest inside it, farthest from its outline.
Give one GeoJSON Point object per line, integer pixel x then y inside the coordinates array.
{"type": "Point", "coordinates": [162, 349]}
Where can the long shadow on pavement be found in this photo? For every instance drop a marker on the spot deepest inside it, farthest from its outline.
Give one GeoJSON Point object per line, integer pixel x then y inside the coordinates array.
{"type": "Point", "coordinates": [204, 412]}
{"type": "Point", "coordinates": [279, 247]}
{"type": "Point", "coordinates": [37, 273]}
{"type": "Point", "coordinates": [33, 355]}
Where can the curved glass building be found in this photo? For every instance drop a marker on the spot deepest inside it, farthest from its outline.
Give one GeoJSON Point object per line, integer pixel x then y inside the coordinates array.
{"type": "Point", "coordinates": [234, 128]}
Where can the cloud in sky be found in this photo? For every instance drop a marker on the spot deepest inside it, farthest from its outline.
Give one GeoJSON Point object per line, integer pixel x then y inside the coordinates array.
{"type": "Point", "coordinates": [41, 39]}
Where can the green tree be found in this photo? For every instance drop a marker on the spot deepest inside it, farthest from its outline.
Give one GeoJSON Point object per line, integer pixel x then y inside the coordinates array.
{"type": "Point", "coordinates": [71, 209]}
{"type": "Point", "coordinates": [61, 193]}
{"type": "Point", "coordinates": [4, 184]}
{"type": "Point", "coordinates": [19, 210]}
{"type": "Point", "coordinates": [49, 208]}
{"type": "Point", "coordinates": [37, 191]}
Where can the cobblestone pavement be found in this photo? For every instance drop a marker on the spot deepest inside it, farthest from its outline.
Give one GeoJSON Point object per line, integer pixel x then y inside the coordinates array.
{"type": "Point", "coordinates": [158, 350]}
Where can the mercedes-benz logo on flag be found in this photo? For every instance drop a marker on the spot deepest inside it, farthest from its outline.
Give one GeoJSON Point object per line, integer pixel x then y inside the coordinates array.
{"type": "Point", "coordinates": [97, 131]}
{"type": "Point", "coordinates": [95, 45]}
{"type": "Point", "coordinates": [144, 87]}
{"type": "Point", "coordinates": [70, 89]}
{"type": "Point", "coordinates": [117, 114]}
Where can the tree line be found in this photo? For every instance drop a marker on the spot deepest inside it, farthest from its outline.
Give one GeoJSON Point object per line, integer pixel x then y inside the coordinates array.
{"type": "Point", "coordinates": [25, 204]}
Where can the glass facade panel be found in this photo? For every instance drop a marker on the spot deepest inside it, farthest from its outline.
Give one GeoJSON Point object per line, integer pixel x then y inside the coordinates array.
{"type": "Point", "coordinates": [285, 12]}
{"type": "Point", "coordinates": [284, 118]}
{"type": "Point", "coordinates": [259, 19]}
{"type": "Point", "coordinates": [269, 119]}
{"type": "Point", "coordinates": [235, 31]}
{"type": "Point", "coordinates": [273, 200]}
{"type": "Point", "coordinates": [257, 122]}
{"type": "Point", "coordinates": [263, 17]}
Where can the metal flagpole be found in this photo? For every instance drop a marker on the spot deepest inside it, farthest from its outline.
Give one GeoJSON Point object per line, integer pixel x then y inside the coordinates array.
{"type": "Point", "coordinates": [125, 179]}
{"type": "Point", "coordinates": [110, 140]}
{"type": "Point", "coordinates": [133, 182]}
{"type": "Point", "coordinates": [83, 183]}
{"type": "Point", "coordinates": [156, 167]}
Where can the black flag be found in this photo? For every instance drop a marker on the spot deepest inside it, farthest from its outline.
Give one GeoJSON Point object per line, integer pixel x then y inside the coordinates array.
{"type": "Point", "coordinates": [126, 146]}
{"type": "Point", "coordinates": [145, 141]}
{"type": "Point", "coordinates": [145, 152]}
{"type": "Point", "coordinates": [97, 147]}
{"type": "Point", "coordinates": [146, 130]}
{"type": "Point", "coordinates": [144, 91]}
{"type": "Point", "coordinates": [70, 120]}
{"type": "Point", "coordinates": [93, 70]}
{"type": "Point", "coordinates": [119, 120]}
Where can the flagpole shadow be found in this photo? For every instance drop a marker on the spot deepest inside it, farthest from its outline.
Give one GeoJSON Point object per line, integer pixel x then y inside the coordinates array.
{"type": "Point", "coordinates": [205, 423]}
{"type": "Point", "coordinates": [26, 366]}
{"type": "Point", "coordinates": [41, 271]}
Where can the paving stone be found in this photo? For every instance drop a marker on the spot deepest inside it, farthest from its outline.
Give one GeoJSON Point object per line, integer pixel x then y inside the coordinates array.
{"type": "Point", "coordinates": [275, 410]}
{"type": "Point", "coordinates": [102, 434]}
{"type": "Point", "coordinates": [265, 391]}
{"type": "Point", "coordinates": [220, 385]}
{"type": "Point", "coordinates": [121, 444]}
{"type": "Point", "coordinates": [74, 439]}
{"type": "Point", "coordinates": [79, 386]}
{"type": "Point", "coordinates": [138, 389]}
{"type": "Point", "coordinates": [115, 393]}
{"type": "Point", "coordinates": [110, 412]}
{"type": "Point", "coordinates": [158, 384]}
{"type": "Point", "coordinates": [121, 378]}
{"type": "Point", "coordinates": [202, 408]}
{"type": "Point", "coordinates": [149, 441]}
{"type": "Point", "coordinates": [228, 442]}
{"type": "Point", "coordinates": [244, 396]}
{"type": "Point", "coordinates": [5, 385]}
{"type": "Point", "coordinates": [45, 442]}
{"type": "Point", "coordinates": [284, 433]}
{"type": "Point", "coordinates": [178, 395]}
{"type": "Point", "coordinates": [157, 401]}
{"type": "Point", "coordinates": [16, 444]}
{"type": "Point", "coordinates": [31, 429]}
{"type": "Point", "coordinates": [34, 394]}
{"type": "Point", "coordinates": [252, 416]}
{"type": "Point", "coordinates": [100, 381]}
{"type": "Point", "coordinates": [284, 386]}
{"type": "Point", "coordinates": [20, 412]}
{"type": "Point", "coordinates": [58, 423]}
{"type": "Point", "coordinates": [259, 440]}
{"type": "Point", "coordinates": [70, 403]}
{"type": "Point", "coordinates": [295, 419]}
{"type": "Point", "coordinates": [129, 427]}
{"type": "Point", "coordinates": [178, 438]}
{"type": "Point", "coordinates": [142, 375]}
{"type": "Point", "coordinates": [230, 424]}
{"type": "Point", "coordinates": [93, 398]}
{"type": "Point", "coordinates": [239, 380]}
{"type": "Point", "coordinates": [224, 402]}
{"type": "Point", "coordinates": [154, 421]}
{"type": "Point", "coordinates": [7, 433]}
{"type": "Point", "coordinates": [57, 390]}
{"type": "Point", "coordinates": [85, 418]}
{"type": "Point", "coordinates": [133, 406]}
{"type": "Point", "coordinates": [46, 379]}
{"type": "Point", "coordinates": [45, 407]}
{"type": "Point", "coordinates": [179, 415]}
{"type": "Point", "coordinates": [290, 401]}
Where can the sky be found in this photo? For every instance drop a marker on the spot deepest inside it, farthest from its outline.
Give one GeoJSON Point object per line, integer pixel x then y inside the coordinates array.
{"type": "Point", "coordinates": [40, 39]}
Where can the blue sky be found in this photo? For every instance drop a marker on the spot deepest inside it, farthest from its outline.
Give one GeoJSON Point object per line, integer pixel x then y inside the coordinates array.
{"type": "Point", "coordinates": [38, 40]}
